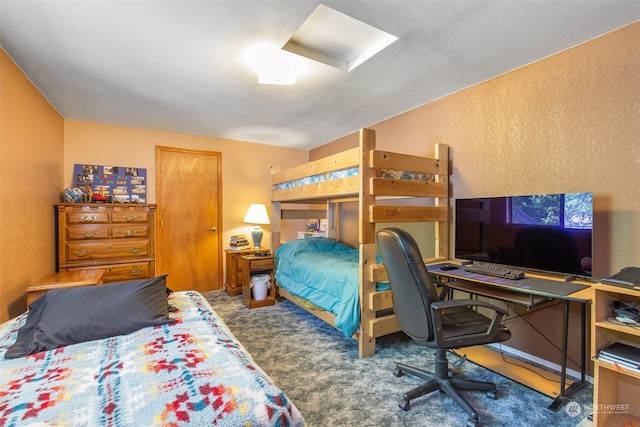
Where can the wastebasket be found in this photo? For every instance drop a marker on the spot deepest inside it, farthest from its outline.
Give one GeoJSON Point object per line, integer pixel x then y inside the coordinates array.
{"type": "Point", "coordinates": [260, 284]}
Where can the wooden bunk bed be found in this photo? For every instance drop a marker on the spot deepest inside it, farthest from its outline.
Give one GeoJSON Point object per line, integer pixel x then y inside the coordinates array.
{"type": "Point", "coordinates": [367, 186]}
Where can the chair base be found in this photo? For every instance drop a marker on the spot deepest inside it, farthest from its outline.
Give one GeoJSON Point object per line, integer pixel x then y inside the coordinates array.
{"type": "Point", "coordinates": [440, 381]}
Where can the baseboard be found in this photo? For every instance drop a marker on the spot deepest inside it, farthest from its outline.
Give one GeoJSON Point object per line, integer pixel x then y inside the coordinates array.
{"type": "Point", "coordinates": [537, 360]}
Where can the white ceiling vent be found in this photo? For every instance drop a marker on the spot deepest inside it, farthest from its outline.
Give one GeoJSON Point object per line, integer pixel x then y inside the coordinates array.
{"type": "Point", "coordinates": [336, 39]}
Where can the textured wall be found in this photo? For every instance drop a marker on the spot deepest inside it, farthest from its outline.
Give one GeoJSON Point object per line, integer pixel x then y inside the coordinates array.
{"type": "Point", "coordinates": [567, 123]}
{"type": "Point", "coordinates": [31, 144]}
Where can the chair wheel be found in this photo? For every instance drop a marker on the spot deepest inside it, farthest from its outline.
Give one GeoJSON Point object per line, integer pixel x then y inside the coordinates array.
{"type": "Point", "coordinates": [398, 372]}
{"type": "Point", "coordinates": [404, 405]}
{"type": "Point", "coordinates": [492, 394]}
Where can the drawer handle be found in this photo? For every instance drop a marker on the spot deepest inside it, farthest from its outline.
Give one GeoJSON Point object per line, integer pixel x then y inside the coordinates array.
{"type": "Point", "coordinates": [135, 250]}
{"type": "Point", "coordinates": [136, 271]}
{"type": "Point", "coordinates": [81, 252]}
{"type": "Point", "coordinates": [91, 218]}
{"type": "Point", "coordinates": [89, 234]}
{"type": "Point", "coordinates": [130, 218]}
{"type": "Point", "coordinates": [130, 233]}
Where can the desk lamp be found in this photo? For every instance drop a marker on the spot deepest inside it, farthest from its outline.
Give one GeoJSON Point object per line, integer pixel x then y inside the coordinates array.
{"type": "Point", "coordinates": [257, 214]}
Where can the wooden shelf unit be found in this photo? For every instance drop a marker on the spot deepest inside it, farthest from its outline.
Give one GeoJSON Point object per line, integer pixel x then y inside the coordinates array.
{"type": "Point", "coordinates": [616, 391]}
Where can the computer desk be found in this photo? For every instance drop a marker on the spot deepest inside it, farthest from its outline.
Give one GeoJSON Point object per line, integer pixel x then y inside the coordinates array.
{"type": "Point", "coordinates": [532, 291]}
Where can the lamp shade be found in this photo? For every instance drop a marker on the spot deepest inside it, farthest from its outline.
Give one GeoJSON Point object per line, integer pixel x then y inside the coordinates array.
{"type": "Point", "coordinates": [257, 214]}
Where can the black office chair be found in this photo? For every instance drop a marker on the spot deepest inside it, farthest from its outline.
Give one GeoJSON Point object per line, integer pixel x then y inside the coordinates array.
{"type": "Point", "coordinates": [431, 321]}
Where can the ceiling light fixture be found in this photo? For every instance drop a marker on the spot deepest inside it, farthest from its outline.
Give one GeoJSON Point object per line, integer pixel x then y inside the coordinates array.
{"type": "Point", "coordinates": [274, 65]}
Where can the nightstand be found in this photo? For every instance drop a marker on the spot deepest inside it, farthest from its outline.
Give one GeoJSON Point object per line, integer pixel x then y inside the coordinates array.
{"type": "Point", "coordinates": [252, 265]}
{"type": "Point", "coordinates": [233, 278]}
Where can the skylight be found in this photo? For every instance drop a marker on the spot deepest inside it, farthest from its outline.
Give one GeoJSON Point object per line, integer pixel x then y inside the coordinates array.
{"type": "Point", "coordinates": [335, 39]}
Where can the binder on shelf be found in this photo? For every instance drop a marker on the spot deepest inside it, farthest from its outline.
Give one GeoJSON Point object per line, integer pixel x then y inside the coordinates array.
{"type": "Point", "coordinates": [621, 354]}
{"type": "Point", "coordinates": [628, 277]}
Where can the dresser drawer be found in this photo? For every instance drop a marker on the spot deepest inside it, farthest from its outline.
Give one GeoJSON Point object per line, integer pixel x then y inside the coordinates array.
{"type": "Point", "coordinates": [129, 216]}
{"type": "Point", "coordinates": [106, 249]}
{"type": "Point", "coordinates": [87, 217]}
{"type": "Point", "coordinates": [88, 231]}
{"type": "Point", "coordinates": [120, 273]}
{"type": "Point", "coordinates": [129, 230]}
{"type": "Point", "coordinates": [261, 264]}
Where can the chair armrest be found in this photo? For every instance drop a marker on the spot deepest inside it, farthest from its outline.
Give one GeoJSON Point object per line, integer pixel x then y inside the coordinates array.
{"type": "Point", "coordinates": [487, 336]}
{"type": "Point", "coordinates": [444, 288]}
{"type": "Point", "coordinates": [467, 303]}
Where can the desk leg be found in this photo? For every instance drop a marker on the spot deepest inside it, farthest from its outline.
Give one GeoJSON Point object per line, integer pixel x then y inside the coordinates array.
{"type": "Point", "coordinates": [566, 394]}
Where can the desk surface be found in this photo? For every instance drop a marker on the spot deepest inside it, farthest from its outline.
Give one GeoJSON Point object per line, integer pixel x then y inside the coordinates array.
{"type": "Point", "coordinates": [531, 291]}
{"type": "Point", "coordinates": [530, 285]}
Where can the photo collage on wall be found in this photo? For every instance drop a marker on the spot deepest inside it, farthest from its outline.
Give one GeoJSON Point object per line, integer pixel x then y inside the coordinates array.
{"type": "Point", "coordinates": [117, 183]}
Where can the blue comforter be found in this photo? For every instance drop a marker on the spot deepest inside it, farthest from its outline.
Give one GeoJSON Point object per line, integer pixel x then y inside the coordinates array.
{"type": "Point", "coordinates": [324, 272]}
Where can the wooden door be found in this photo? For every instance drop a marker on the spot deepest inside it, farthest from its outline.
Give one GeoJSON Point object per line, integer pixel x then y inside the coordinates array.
{"type": "Point", "coordinates": [189, 199]}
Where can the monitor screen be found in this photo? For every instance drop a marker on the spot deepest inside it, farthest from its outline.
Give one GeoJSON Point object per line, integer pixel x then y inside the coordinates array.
{"type": "Point", "coordinates": [544, 232]}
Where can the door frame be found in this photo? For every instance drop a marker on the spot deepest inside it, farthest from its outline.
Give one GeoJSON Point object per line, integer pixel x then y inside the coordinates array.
{"type": "Point", "coordinates": [159, 149]}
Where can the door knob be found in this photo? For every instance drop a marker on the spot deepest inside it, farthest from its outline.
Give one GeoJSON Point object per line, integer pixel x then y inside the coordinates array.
{"type": "Point", "coordinates": [214, 229]}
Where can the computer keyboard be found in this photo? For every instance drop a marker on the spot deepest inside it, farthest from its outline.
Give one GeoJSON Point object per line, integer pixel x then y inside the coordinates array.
{"type": "Point", "coordinates": [494, 270]}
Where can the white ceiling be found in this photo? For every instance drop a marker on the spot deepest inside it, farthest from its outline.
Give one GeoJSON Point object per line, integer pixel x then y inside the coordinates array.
{"type": "Point", "coordinates": [176, 65]}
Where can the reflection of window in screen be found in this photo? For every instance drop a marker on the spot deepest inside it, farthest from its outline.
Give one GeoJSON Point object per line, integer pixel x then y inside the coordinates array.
{"type": "Point", "coordinates": [572, 210]}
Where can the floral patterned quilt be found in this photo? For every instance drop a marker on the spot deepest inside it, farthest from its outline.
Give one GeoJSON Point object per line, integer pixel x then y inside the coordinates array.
{"type": "Point", "coordinates": [189, 373]}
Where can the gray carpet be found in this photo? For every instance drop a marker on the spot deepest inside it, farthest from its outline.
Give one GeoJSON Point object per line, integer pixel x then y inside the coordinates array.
{"type": "Point", "coordinates": [318, 368]}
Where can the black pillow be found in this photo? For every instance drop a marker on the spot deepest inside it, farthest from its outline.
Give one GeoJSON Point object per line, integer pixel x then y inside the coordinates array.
{"type": "Point", "coordinates": [85, 313]}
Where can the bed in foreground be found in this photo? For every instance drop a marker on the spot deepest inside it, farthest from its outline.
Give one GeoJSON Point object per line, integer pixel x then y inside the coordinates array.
{"type": "Point", "coordinates": [190, 371]}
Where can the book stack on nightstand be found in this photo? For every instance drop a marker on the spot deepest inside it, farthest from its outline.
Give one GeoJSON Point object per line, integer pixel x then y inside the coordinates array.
{"type": "Point", "coordinates": [238, 242]}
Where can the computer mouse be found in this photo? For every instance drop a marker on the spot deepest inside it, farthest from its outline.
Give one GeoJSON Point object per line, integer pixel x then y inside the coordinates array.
{"type": "Point", "coordinates": [449, 267]}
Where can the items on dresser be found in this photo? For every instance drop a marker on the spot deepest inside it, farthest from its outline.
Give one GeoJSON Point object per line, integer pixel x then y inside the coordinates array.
{"type": "Point", "coordinates": [116, 238]}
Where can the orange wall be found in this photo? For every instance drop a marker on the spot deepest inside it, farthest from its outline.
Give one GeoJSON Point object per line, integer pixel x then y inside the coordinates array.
{"type": "Point", "coordinates": [37, 163]}
{"type": "Point", "coordinates": [568, 123]}
{"type": "Point", "coordinates": [245, 165]}
{"type": "Point", "coordinates": [31, 147]}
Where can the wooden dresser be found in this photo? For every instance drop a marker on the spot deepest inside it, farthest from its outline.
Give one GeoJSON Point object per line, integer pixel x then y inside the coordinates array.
{"type": "Point", "coordinates": [119, 239]}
